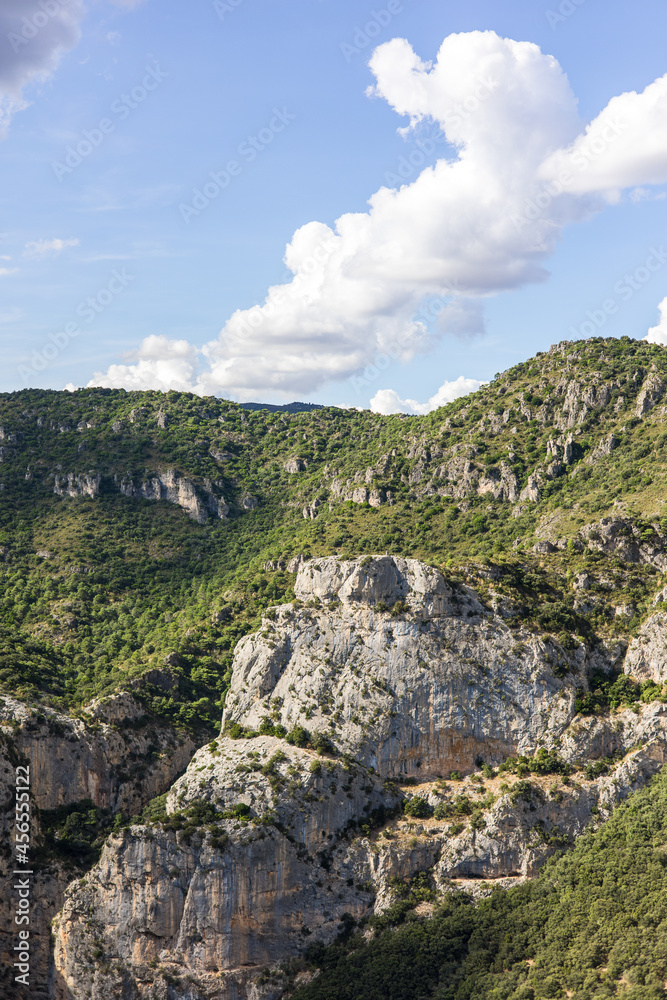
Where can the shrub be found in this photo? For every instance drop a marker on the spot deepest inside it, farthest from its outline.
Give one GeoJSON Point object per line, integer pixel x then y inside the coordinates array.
{"type": "Point", "coordinates": [298, 737]}
{"type": "Point", "coordinates": [417, 807]}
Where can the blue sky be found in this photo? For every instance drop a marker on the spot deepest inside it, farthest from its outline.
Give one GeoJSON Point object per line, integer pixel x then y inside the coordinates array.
{"type": "Point", "coordinates": [115, 271]}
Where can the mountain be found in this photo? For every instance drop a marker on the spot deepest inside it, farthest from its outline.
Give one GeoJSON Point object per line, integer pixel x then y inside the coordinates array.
{"type": "Point", "coordinates": [437, 647]}
{"type": "Point", "coordinates": [283, 408]}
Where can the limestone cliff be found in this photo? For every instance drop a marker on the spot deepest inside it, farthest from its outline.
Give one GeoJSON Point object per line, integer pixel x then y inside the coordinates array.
{"type": "Point", "coordinates": [117, 767]}
{"type": "Point", "coordinates": [404, 683]}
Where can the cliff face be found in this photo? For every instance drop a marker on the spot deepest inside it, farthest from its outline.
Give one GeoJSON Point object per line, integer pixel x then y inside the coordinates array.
{"type": "Point", "coordinates": [168, 486]}
{"type": "Point", "coordinates": [268, 845]}
{"type": "Point", "coordinates": [236, 892]}
{"type": "Point", "coordinates": [416, 691]}
{"type": "Point", "coordinates": [117, 767]}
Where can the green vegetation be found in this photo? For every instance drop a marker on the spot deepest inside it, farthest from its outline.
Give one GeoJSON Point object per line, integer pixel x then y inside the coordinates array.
{"type": "Point", "coordinates": [615, 692]}
{"type": "Point", "coordinates": [96, 592]}
{"type": "Point", "coordinates": [74, 834]}
{"type": "Point", "coordinates": [417, 807]}
{"type": "Point", "coordinates": [592, 925]}
{"type": "Point", "coordinates": [543, 762]}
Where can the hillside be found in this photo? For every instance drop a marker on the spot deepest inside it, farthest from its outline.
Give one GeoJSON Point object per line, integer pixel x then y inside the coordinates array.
{"type": "Point", "coordinates": [484, 693]}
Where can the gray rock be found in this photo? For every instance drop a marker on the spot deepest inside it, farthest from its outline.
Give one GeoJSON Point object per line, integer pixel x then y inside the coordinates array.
{"type": "Point", "coordinates": [294, 465]}
{"type": "Point", "coordinates": [77, 485]}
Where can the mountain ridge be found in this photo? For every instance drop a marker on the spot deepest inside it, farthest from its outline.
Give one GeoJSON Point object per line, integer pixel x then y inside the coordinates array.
{"type": "Point", "coordinates": [160, 552]}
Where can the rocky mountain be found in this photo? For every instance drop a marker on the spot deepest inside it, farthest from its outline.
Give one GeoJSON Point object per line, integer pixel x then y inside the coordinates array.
{"type": "Point", "coordinates": [279, 675]}
{"type": "Point", "coordinates": [277, 831]}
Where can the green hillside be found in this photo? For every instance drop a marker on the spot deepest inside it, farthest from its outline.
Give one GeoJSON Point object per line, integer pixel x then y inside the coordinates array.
{"type": "Point", "coordinates": [592, 925]}
{"type": "Point", "coordinates": [96, 590]}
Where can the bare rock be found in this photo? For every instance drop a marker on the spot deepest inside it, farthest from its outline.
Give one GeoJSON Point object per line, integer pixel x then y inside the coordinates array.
{"type": "Point", "coordinates": [421, 707]}
{"type": "Point", "coordinates": [77, 484]}
{"type": "Point", "coordinates": [176, 489]}
{"type": "Point", "coordinates": [604, 448]}
{"type": "Point", "coordinates": [646, 659]}
{"type": "Point", "coordinates": [294, 465]}
{"type": "Point", "coordinates": [310, 512]}
{"type": "Point", "coordinates": [651, 393]}
{"type": "Point", "coordinates": [531, 490]}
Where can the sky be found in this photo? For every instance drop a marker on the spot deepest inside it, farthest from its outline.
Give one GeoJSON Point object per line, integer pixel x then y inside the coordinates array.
{"type": "Point", "coordinates": [377, 206]}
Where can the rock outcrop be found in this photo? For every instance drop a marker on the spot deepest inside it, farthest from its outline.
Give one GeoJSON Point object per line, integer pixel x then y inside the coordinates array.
{"type": "Point", "coordinates": [168, 485]}
{"type": "Point", "coordinates": [175, 489]}
{"type": "Point", "coordinates": [646, 659]}
{"type": "Point", "coordinates": [422, 690]}
{"type": "Point", "coordinates": [117, 767]}
{"type": "Point", "coordinates": [77, 485]}
{"type": "Point", "coordinates": [396, 675]}
{"type": "Point", "coordinates": [619, 536]}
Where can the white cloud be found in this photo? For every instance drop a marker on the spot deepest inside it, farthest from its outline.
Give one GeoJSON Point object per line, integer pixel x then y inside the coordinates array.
{"type": "Point", "coordinates": [388, 401]}
{"type": "Point", "coordinates": [32, 42]}
{"type": "Point", "coordinates": [160, 363]}
{"type": "Point", "coordinates": [4, 271]}
{"type": "Point", "coordinates": [658, 334]}
{"type": "Point", "coordinates": [40, 248]}
{"type": "Point", "coordinates": [419, 263]}
{"type": "Point", "coordinates": [625, 146]}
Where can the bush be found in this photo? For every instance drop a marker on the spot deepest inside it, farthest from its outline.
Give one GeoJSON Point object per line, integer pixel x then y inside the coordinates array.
{"type": "Point", "coordinates": [322, 744]}
{"type": "Point", "coordinates": [417, 807]}
{"type": "Point", "coordinates": [298, 737]}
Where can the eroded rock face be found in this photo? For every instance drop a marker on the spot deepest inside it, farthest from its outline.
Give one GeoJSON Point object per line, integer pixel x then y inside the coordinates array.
{"type": "Point", "coordinates": [416, 693]}
{"type": "Point", "coordinates": [211, 909]}
{"type": "Point", "coordinates": [619, 536]}
{"type": "Point", "coordinates": [81, 485]}
{"type": "Point", "coordinates": [647, 654]}
{"type": "Point", "coordinates": [651, 393]}
{"type": "Point", "coordinates": [283, 846]}
{"type": "Point", "coordinates": [116, 767]}
{"type": "Point", "coordinates": [178, 490]}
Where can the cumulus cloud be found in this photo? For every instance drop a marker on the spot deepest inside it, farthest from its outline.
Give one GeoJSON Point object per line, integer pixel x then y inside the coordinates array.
{"type": "Point", "coordinates": [41, 248]}
{"type": "Point", "coordinates": [388, 401]}
{"type": "Point", "coordinates": [658, 334]}
{"type": "Point", "coordinates": [159, 363]}
{"type": "Point", "coordinates": [484, 219]}
{"type": "Point", "coordinates": [626, 145]}
{"type": "Point", "coordinates": [33, 37]}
